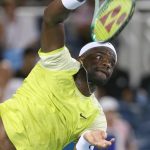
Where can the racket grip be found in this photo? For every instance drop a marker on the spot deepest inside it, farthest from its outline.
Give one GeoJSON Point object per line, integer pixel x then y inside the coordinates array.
{"type": "Point", "coordinates": [72, 4]}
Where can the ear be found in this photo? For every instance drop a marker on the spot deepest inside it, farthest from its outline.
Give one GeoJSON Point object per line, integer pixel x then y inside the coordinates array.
{"type": "Point", "coordinates": [80, 59]}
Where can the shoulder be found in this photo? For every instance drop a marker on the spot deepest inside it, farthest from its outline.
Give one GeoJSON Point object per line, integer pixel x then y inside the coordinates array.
{"type": "Point", "coordinates": [59, 59]}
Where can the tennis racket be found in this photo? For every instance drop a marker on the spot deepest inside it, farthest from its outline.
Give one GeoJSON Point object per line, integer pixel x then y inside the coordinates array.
{"type": "Point", "coordinates": [110, 18]}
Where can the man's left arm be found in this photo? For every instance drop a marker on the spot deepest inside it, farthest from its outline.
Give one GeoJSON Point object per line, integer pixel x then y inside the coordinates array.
{"type": "Point", "coordinates": [95, 135]}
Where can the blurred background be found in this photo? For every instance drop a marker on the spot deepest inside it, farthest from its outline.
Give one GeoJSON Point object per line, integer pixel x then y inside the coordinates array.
{"type": "Point", "coordinates": [129, 87]}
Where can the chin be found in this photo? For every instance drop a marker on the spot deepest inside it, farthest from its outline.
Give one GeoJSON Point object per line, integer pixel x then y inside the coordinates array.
{"type": "Point", "coordinates": [98, 81]}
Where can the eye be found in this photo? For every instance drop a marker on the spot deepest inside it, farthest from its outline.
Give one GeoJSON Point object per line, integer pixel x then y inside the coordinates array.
{"type": "Point", "coordinates": [98, 57]}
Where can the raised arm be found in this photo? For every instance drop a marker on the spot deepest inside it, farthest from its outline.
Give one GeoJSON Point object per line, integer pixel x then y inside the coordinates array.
{"type": "Point", "coordinates": [53, 29]}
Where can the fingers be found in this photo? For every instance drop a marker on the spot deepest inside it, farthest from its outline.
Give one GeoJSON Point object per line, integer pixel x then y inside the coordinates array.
{"type": "Point", "coordinates": [103, 144]}
{"type": "Point", "coordinates": [112, 140]}
{"type": "Point", "coordinates": [98, 138]}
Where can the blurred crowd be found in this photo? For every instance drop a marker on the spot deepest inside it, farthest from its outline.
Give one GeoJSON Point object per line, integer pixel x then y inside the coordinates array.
{"type": "Point", "coordinates": [126, 107]}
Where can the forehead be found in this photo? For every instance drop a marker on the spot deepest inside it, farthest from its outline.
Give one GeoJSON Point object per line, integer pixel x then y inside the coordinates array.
{"type": "Point", "coordinates": [101, 50]}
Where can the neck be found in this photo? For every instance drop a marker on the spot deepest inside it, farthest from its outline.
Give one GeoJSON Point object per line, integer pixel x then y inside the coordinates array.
{"type": "Point", "coordinates": [82, 83]}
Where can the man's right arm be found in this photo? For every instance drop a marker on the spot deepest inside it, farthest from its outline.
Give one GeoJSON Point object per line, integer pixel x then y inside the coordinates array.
{"type": "Point", "coordinates": [52, 28]}
{"type": "Point", "coordinates": [52, 36]}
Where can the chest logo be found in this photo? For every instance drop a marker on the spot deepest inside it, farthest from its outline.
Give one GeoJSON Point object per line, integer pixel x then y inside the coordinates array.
{"type": "Point", "coordinates": [82, 116]}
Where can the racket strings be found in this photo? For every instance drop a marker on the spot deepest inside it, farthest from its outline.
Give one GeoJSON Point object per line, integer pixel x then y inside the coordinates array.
{"type": "Point", "coordinates": [111, 18]}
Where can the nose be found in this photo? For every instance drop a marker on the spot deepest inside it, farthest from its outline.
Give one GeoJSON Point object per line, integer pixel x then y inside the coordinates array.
{"type": "Point", "coordinates": [106, 64]}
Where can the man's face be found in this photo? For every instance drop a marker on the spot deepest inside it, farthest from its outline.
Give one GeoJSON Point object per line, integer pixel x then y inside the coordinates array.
{"type": "Point", "coordinates": [99, 63]}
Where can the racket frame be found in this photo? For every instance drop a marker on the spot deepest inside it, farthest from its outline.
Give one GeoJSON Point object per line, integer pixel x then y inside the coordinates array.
{"type": "Point", "coordinates": [98, 9]}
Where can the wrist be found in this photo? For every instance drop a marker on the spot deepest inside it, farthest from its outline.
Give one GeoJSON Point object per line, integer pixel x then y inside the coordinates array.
{"type": "Point", "coordinates": [72, 4]}
{"type": "Point", "coordinates": [83, 144]}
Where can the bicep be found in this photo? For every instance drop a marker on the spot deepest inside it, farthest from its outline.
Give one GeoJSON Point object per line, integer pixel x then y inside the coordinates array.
{"type": "Point", "coordinates": [52, 37]}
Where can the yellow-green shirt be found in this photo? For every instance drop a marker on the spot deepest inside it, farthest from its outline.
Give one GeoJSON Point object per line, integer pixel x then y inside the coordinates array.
{"type": "Point", "coordinates": [48, 111]}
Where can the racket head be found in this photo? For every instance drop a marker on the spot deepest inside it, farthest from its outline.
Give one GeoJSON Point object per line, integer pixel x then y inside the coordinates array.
{"type": "Point", "coordinates": [111, 18]}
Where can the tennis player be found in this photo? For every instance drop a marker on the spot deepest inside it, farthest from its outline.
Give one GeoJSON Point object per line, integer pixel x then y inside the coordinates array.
{"type": "Point", "coordinates": [56, 105]}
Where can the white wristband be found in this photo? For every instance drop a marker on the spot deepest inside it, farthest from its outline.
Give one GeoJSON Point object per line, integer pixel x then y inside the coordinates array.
{"type": "Point", "coordinates": [83, 144]}
{"type": "Point", "coordinates": [72, 4]}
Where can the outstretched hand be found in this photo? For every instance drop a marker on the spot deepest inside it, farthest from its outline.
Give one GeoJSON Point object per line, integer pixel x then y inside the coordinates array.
{"type": "Point", "coordinates": [98, 138]}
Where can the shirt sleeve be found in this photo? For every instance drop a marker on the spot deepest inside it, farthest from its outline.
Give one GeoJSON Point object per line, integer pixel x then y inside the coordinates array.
{"type": "Point", "coordinates": [59, 59]}
{"type": "Point", "coordinates": [100, 122]}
